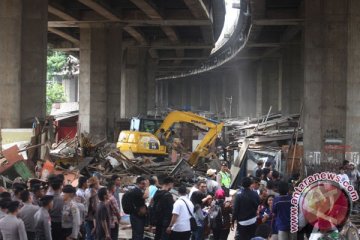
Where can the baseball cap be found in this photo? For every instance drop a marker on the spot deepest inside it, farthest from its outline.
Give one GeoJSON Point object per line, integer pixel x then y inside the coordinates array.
{"type": "Point", "coordinates": [210, 172]}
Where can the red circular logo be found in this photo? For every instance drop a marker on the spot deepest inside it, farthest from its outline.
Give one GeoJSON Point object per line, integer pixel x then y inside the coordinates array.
{"type": "Point", "coordinates": [325, 205]}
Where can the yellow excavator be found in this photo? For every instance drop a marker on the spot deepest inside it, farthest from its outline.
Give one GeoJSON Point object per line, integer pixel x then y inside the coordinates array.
{"type": "Point", "coordinates": [145, 143]}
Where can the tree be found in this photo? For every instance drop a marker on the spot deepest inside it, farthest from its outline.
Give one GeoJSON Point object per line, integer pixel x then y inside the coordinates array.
{"type": "Point", "coordinates": [54, 94]}
{"type": "Point", "coordinates": [56, 62]}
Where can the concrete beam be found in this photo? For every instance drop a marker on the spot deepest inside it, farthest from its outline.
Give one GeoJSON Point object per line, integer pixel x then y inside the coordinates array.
{"type": "Point", "coordinates": [197, 8]}
{"type": "Point", "coordinates": [67, 49]}
{"type": "Point", "coordinates": [263, 45]}
{"type": "Point", "coordinates": [134, 22]}
{"type": "Point", "coordinates": [64, 35]}
{"type": "Point", "coordinates": [100, 9]}
{"type": "Point", "coordinates": [278, 22]}
{"type": "Point", "coordinates": [60, 13]}
{"type": "Point", "coordinates": [189, 45]}
{"type": "Point", "coordinates": [153, 13]}
{"type": "Point", "coordinates": [182, 58]}
{"type": "Point", "coordinates": [147, 8]}
{"type": "Point", "coordinates": [136, 34]}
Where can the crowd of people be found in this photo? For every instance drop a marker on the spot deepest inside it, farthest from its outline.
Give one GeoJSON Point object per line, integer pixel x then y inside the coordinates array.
{"type": "Point", "coordinates": [259, 209]}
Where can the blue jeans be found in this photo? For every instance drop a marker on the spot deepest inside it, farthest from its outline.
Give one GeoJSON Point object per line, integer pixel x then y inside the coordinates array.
{"type": "Point", "coordinates": [198, 234]}
{"type": "Point", "coordinates": [89, 225]}
{"type": "Point", "coordinates": [137, 226]}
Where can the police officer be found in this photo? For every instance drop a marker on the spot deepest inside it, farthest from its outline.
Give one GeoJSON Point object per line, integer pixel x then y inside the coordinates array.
{"type": "Point", "coordinates": [42, 219]}
{"type": "Point", "coordinates": [27, 213]}
{"type": "Point", "coordinates": [224, 178]}
{"type": "Point", "coordinates": [55, 212]}
{"type": "Point", "coordinates": [37, 193]}
{"type": "Point", "coordinates": [11, 227]}
{"type": "Point", "coordinates": [70, 220]}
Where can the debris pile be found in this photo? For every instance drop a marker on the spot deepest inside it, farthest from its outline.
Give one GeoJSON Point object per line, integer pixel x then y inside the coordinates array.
{"type": "Point", "coordinates": [270, 128]}
{"type": "Point", "coordinates": [272, 138]}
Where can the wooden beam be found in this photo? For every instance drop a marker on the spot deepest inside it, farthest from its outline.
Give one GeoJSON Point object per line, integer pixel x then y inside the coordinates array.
{"type": "Point", "coordinates": [61, 14]}
{"type": "Point", "coordinates": [134, 23]}
{"type": "Point", "coordinates": [136, 34]}
{"type": "Point", "coordinates": [100, 9]}
{"type": "Point", "coordinates": [197, 8]}
{"type": "Point", "coordinates": [147, 8]}
{"type": "Point", "coordinates": [64, 35]}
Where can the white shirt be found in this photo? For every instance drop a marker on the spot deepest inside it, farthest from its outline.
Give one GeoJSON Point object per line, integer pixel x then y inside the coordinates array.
{"type": "Point", "coordinates": [80, 193]}
{"type": "Point", "coordinates": [182, 223]}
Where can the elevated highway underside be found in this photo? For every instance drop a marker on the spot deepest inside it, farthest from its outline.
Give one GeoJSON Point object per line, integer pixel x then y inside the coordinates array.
{"type": "Point", "coordinates": [290, 55]}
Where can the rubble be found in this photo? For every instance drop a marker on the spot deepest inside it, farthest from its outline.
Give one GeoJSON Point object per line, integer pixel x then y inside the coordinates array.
{"type": "Point", "coordinates": [274, 137]}
{"type": "Point", "coordinates": [265, 129]}
{"type": "Point", "coordinates": [249, 139]}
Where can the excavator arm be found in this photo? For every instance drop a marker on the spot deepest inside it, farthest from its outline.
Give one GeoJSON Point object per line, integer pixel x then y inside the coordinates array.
{"type": "Point", "coordinates": [213, 127]}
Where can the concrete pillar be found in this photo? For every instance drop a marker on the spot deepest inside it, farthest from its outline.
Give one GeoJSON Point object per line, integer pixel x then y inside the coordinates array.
{"type": "Point", "coordinates": [195, 93]}
{"type": "Point", "coordinates": [33, 64]}
{"type": "Point", "coordinates": [204, 93]}
{"type": "Point", "coordinates": [247, 92]}
{"type": "Point", "coordinates": [71, 88]}
{"type": "Point", "coordinates": [216, 93]}
{"type": "Point", "coordinates": [23, 50]}
{"type": "Point", "coordinates": [151, 86]}
{"type": "Point", "coordinates": [293, 79]}
{"type": "Point", "coordinates": [10, 71]}
{"type": "Point", "coordinates": [165, 94]}
{"type": "Point", "coordinates": [93, 81]}
{"type": "Point", "coordinates": [142, 78]}
{"type": "Point", "coordinates": [231, 92]}
{"type": "Point", "coordinates": [185, 94]}
{"type": "Point", "coordinates": [159, 94]}
{"type": "Point", "coordinates": [114, 63]}
{"type": "Point", "coordinates": [259, 89]}
{"type": "Point", "coordinates": [353, 83]}
{"type": "Point", "coordinates": [325, 71]}
{"type": "Point", "coordinates": [270, 85]}
{"type": "Point", "coordinates": [134, 83]}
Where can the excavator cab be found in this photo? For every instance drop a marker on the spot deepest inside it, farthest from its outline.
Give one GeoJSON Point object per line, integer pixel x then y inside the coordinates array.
{"type": "Point", "coordinates": [140, 143]}
{"type": "Point", "coordinates": [145, 124]}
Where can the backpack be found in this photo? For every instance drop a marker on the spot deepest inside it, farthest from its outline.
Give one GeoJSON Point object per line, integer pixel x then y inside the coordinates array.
{"type": "Point", "coordinates": [156, 208]}
{"type": "Point", "coordinates": [127, 202]}
{"type": "Point", "coordinates": [216, 220]}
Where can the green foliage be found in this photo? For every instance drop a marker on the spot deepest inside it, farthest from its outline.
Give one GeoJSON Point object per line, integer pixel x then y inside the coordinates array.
{"type": "Point", "coordinates": [56, 62]}
{"type": "Point", "coordinates": [54, 94]}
